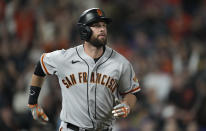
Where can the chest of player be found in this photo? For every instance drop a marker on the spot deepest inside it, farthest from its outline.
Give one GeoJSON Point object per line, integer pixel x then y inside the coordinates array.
{"type": "Point", "coordinates": [77, 74]}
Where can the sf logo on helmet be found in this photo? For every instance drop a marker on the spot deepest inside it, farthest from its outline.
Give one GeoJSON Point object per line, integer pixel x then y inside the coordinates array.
{"type": "Point", "coordinates": [99, 12]}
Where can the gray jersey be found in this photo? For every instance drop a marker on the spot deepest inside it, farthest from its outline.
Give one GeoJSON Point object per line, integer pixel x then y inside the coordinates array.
{"type": "Point", "coordinates": [89, 89]}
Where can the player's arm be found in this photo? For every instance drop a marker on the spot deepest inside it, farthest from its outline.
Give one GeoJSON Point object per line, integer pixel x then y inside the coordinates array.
{"type": "Point", "coordinates": [35, 88]}
{"type": "Point", "coordinates": [37, 80]}
{"type": "Point", "coordinates": [128, 92]}
{"type": "Point", "coordinates": [130, 100]}
{"type": "Point", "coordinates": [125, 106]}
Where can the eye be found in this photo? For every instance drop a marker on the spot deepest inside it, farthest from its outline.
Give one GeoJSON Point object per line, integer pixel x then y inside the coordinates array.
{"type": "Point", "coordinates": [96, 25]}
{"type": "Point", "coordinates": [104, 25]}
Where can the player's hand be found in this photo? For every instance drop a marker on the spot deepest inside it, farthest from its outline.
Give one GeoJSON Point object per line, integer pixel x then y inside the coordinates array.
{"type": "Point", "coordinates": [121, 110]}
{"type": "Point", "coordinates": [38, 113]}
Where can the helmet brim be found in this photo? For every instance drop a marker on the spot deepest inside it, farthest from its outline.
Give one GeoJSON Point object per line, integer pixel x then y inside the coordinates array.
{"type": "Point", "coordinates": [99, 19]}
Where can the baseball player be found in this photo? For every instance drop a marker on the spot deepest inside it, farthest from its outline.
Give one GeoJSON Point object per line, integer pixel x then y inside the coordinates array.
{"type": "Point", "coordinates": [97, 84]}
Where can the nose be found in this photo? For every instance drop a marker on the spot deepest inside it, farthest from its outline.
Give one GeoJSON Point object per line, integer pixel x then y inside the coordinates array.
{"type": "Point", "coordinates": [102, 28]}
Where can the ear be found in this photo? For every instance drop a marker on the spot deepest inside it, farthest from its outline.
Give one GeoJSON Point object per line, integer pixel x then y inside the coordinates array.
{"type": "Point", "coordinates": [85, 32]}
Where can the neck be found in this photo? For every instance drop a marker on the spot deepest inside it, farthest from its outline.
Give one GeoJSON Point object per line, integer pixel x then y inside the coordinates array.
{"type": "Point", "coordinates": [94, 52]}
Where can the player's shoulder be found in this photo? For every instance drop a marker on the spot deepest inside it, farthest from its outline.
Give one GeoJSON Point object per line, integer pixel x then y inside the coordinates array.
{"type": "Point", "coordinates": [61, 53]}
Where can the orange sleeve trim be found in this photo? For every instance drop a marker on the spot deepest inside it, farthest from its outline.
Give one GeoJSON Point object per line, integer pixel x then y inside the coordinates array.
{"type": "Point", "coordinates": [44, 64]}
{"type": "Point", "coordinates": [133, 90]}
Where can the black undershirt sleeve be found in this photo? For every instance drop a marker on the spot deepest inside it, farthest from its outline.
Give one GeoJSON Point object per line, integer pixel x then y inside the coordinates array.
{"type": "Point", "coordinates": [38, 70]}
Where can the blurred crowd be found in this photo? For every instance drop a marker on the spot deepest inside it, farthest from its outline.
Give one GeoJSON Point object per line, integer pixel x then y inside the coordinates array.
{"type": "Point", "coordinates": [163, 39]}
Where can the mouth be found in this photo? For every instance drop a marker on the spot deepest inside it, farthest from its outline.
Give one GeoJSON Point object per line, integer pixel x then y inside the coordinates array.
{"type": "Point", "coordinates": [102, 36]}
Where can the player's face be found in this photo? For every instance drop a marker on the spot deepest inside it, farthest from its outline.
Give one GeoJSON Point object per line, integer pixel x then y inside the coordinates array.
{"type": "Point", "coordinates": [99, 34]}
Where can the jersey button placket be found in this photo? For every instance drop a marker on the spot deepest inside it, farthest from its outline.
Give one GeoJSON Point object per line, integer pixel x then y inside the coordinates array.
{"type": "Point", "coordinates": [92, 95]}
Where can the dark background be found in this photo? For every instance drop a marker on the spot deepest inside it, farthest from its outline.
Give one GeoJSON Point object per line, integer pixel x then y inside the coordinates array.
{"type": "Point", "coordinates": [163, 39]}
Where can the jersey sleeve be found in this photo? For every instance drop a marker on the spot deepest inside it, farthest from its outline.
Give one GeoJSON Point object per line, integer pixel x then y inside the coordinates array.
{"type": "Point", "coordinates": [47, 61]}
{"type": "Point", "coordinates": [128, 81]}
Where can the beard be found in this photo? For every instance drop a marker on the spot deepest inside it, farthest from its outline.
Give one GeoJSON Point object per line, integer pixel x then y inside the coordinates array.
{"type": "Point", "coordinates": [98, 42]}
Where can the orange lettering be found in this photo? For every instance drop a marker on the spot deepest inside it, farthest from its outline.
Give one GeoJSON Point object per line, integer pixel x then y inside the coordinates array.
{"type": "Point", "coordinates": [111, 83]}
{"type": "Point", "coordinates": [98, 78]}
{"type": "Point", "coordinates": [65, 83]}
{"type": "Point", "coordinates": [92, 78]}
{"type": "Point", "coordinates": [107, 81]}
{"type": "Point", "coordinates": [80, 77]}
{"type": "Point", "coordinates": [73, 79]}
{"type": "Point", "coordinates": [84, 77]}
{"type": "Point", "coordinates": [104, 76]}
{"type": "Point", "coordinates": [68, 81]}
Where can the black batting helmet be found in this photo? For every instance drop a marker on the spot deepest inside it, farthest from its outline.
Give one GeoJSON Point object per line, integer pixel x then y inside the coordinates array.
{"type": "Point", "coordinates": [89, 17]}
